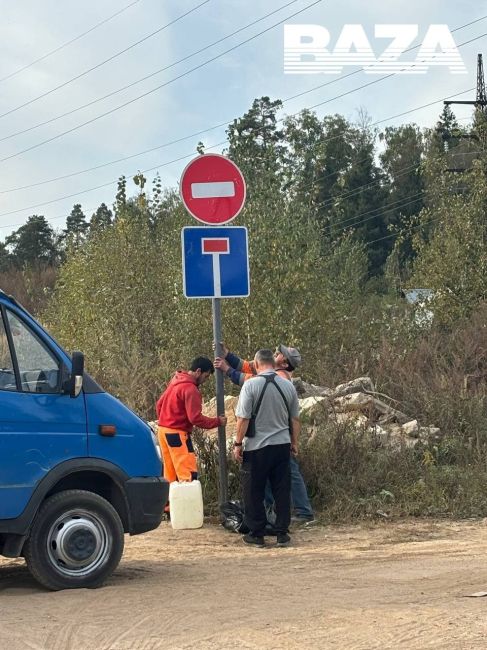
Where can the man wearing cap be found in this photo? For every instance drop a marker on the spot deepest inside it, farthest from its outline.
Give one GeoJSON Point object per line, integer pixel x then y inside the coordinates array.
{"type": "Point", "coordinates": [238, 370]}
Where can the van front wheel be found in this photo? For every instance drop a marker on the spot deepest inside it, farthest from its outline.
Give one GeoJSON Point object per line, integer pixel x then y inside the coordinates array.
{"type": "Point", "coordinates": [76, 541]}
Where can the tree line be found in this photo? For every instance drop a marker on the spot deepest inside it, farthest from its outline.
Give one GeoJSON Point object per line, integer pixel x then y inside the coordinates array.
{"type": "Point", "coordinates": [342, 218]}
{"type": "Point", "coordinates": [354, 179]}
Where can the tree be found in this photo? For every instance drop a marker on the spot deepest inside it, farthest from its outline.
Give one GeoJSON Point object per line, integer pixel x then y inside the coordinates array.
{"type": "Point", "coordinates": [451, 246]}
{"type": "Point", "coordinates": [121, 196]}
{"type": "Point", "coordinates": [317, 154]}
{"type": "Point", "coordinates": [5, 258]}
{"type": "Point", "coordinates": [33, 243]}
{"type": "Point", "coordinates": [402, 163]}
{"type": "Point", "coordinates": [446, 128]}
{"type": "Point", "coordinates": [76, 227]}
{"type": "Point", "coordinates": [100, 219]}
{"type": "Point", "coordinates": [357, 206]}
{"type": "Point", "coordinates": [256, 145]}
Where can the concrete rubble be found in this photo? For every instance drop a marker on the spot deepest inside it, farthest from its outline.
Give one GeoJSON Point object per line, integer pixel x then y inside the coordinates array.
{"type": "Point", "coordinates": [355, 404]}
{"type": "Point", "coordinates": [352, 404]}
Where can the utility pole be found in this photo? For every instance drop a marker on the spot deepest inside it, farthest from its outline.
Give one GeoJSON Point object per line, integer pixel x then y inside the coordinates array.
{"type": "Point", "coordinates": [480, 104]}
{"type": "Point", "coordinates": [481, 94]}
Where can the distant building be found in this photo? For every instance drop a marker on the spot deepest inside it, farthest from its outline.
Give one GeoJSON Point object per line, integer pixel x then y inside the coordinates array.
{"type": "Point", "coordinates": [420, 299]}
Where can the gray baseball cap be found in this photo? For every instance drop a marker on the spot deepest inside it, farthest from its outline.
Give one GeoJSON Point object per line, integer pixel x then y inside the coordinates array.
{"type": "Point", "coordinates": [292, 355]}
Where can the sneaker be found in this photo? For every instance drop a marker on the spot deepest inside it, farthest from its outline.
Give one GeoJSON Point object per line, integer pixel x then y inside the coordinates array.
{"type": "Point", "coordinates": [283, 539]}
{"type": "Point", "coordinates": [303, 521]}
{"type": "Point", "coordinates": [253, 540]}
{"type": "Point", "coordinates": [310, 522]}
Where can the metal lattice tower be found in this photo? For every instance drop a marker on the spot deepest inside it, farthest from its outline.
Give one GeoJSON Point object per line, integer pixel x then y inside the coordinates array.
{"type": "Point", "coordinates": [481, 103]}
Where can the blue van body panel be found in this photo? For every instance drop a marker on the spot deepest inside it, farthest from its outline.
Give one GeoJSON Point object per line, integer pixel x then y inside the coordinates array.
{"type": "Point", "coordinates": [131, 448]}
{"type": "Point", "coordinates": [37, 432]}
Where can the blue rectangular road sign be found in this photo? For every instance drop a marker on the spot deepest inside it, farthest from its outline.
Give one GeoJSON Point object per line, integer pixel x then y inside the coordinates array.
{"type": "Point", "coordinates": [215, 262]}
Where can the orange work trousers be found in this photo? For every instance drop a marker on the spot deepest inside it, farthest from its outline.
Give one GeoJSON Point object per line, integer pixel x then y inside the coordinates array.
{"type": "Point", "coordinates": [177, 455]}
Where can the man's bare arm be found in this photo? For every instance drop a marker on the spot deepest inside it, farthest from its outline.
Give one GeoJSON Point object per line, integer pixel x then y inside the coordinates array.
{"type": "Point", "coordinates": [242, 426]}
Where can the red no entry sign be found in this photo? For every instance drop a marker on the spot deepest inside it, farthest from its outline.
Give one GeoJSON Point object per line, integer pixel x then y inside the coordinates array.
{"type": "Point", "coordinates": [213, 189]}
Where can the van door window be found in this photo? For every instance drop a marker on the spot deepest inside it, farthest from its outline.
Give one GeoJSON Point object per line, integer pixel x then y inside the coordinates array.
{"type": "Point", "coordinates": [39, 369]}
{"type": "Point", "coordinates": [7, 374]}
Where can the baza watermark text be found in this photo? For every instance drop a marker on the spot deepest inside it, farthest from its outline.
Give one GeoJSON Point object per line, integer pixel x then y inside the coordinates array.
{"type": "Point", "coordinates": [307, 51]}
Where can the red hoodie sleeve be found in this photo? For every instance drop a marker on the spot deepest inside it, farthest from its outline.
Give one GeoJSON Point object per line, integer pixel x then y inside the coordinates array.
{"type": "Point", "coordinates": [193, 404]}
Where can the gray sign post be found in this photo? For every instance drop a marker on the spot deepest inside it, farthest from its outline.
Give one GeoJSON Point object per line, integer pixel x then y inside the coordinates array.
{"type": "Point", "coordinates": [220, 404]}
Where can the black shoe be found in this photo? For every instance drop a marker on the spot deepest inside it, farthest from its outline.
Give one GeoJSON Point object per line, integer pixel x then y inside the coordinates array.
{"type": "Point", "coordinates": [303, 521]}
{"type": "Point", "coordinates": [253, 540]}
{"type": "Point", "coordinates": [283, 539]}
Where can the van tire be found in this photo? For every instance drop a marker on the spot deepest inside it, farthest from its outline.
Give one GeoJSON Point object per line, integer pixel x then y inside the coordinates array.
{"type": "Point", "coordinates": [76, 541]}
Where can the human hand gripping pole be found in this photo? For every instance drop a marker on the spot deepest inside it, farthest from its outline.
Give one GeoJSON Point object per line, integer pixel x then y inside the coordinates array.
{"type": "Point", "coordinates": [221, 364]}
{"type": "Point", "coordinates": [223, 351]}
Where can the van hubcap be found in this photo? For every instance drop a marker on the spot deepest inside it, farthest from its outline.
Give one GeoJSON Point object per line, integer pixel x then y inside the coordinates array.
{"type": "Point", "coordinates": [78, 543]}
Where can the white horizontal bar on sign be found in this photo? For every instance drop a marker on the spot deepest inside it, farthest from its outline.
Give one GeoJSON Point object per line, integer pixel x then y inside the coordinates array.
{"type": "Point", "coordinates": [212, 190]}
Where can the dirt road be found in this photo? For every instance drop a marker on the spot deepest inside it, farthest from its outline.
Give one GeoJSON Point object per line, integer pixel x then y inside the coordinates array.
{"type": "Point", "coordinates": [402, 585]}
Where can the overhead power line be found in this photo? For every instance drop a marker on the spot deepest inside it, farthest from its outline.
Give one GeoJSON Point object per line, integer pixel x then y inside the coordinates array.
{"type": "Point", "coordinates": [212, 128]}
{"type": "Point", "coordinates": [163, 85]}
{"type": "Point", "coordinates": [149, 76]}
{"type": "Point", "coordinates": [205, 63]}
{"type": "Point", "coordinates": [59, 216]}
{"type": "Point", "coordinates": [111, 183]}
{"type": "Point", "coordinates": [102, 63]}
{"type": "Point", "coordinates": [356, 220]}
{"type": "Point", "coordinates": [411, 49]}
{"type": "Point", "coordinates": [214, 146]}
{"type": "Point", "coordinates": [383, 78]}
{"type": "Point", "coordinates": [73, 40]}
{"type": "Point", "coordinates": [191, 55]}
{"type": "Point", "coordinates": [395, 234]}
{"type": "Point", "coordinates": [75, 128]}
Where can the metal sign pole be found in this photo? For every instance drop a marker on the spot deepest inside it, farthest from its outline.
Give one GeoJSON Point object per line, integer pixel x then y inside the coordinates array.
{"type": "Point", "coordinates": [220, 403]}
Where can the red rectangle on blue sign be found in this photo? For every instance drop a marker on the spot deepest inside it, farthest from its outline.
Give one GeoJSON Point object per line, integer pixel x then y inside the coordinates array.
{"type": "Point", "coordinates": [215, 245]}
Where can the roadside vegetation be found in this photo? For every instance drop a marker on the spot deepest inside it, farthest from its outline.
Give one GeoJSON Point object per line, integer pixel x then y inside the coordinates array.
{"type": "Point", "coordinates": [343, 220]}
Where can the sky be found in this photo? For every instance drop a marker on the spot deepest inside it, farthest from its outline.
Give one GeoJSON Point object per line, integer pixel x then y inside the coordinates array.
{"type": "Point", "coordinates": [190, 100]}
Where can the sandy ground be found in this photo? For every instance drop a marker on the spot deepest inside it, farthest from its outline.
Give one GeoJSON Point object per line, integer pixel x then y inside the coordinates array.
{"type": "Point", "coordinates": [396, 585]}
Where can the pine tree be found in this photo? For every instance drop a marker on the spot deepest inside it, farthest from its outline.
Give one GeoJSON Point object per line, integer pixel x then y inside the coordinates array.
{"type": "Point", "coordinates": [33, 243]}
{"type": "Point", "coordinates": [101, 219]}
{"type": "Point", "coordinates": [76, 227]}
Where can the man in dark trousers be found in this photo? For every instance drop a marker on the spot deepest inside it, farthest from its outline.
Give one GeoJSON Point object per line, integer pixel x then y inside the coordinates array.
{"type": "Point", "coordinates": [286, 360]}
{"type": "Point", "coordinates": [266, 455]}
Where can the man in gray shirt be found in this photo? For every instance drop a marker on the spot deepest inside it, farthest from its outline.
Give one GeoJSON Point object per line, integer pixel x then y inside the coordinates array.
{"type": "Point", "coordinates": [267, 454]}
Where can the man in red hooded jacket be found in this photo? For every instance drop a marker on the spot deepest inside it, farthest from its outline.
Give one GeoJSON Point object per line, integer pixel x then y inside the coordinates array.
{"type": "Point", "coordinates": [178, 410]}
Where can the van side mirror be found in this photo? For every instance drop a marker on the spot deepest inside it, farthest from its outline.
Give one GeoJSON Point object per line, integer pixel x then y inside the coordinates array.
{"type": "Point", "coordinates": [75, 381]}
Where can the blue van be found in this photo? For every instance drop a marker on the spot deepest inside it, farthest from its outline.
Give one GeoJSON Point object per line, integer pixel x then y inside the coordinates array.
{"type": "Point", "coordinates": [78, 469]}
